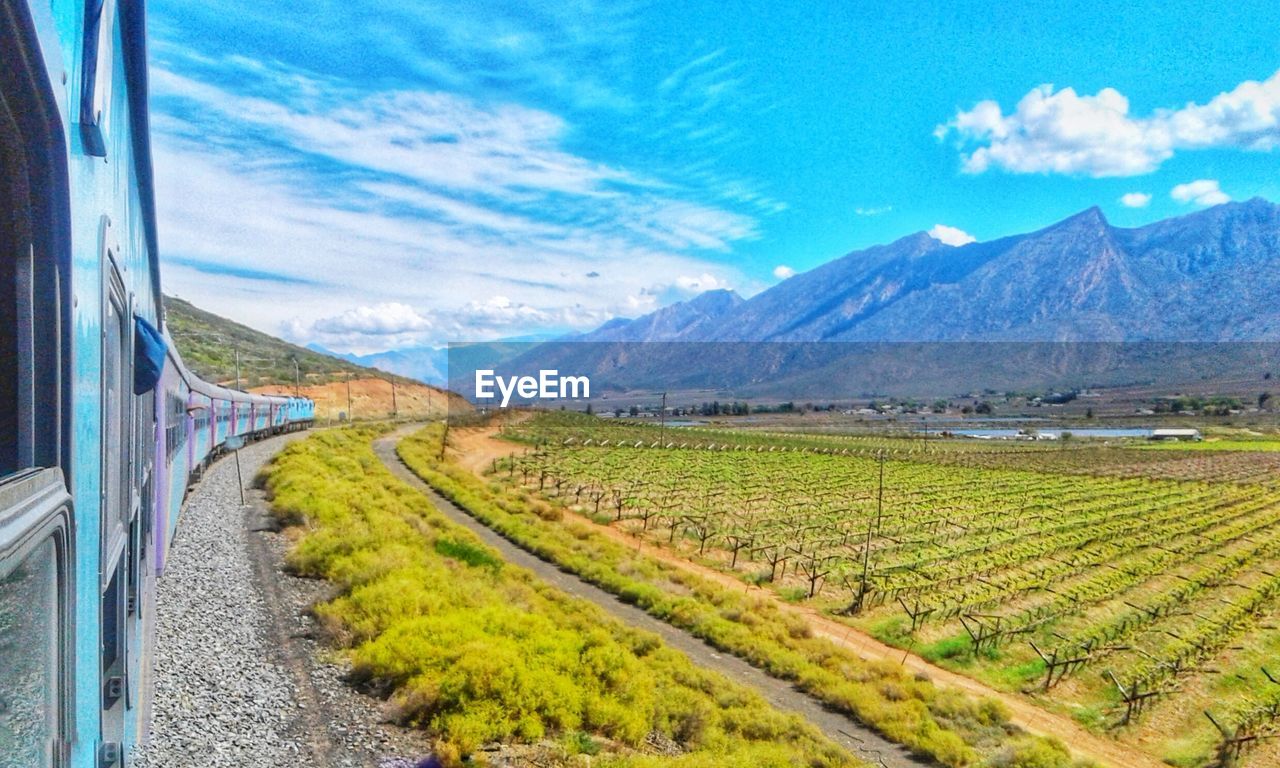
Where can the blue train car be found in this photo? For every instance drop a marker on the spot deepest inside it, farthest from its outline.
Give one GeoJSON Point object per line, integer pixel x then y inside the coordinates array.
{"type": "Point", "coordinates": [101, 426]}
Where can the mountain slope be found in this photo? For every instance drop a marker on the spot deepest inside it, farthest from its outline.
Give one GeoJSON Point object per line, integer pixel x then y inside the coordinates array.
{"type": "Point", "coordinates": [1210, 276]}
{"type": "Point", "coordinates": [1207, 276]}
{"type": "Point", "coordinates": [682, 320]}
{"type": "Point", "coordinates": [208, 345]}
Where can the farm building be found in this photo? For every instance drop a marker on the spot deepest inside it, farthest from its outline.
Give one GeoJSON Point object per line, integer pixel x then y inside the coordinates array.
{"type": "Point", "coordinates": [1175, 434]}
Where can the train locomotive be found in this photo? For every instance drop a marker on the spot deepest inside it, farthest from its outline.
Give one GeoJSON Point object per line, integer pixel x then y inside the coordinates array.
{"type": "Point", "coordinates": [102, 427]}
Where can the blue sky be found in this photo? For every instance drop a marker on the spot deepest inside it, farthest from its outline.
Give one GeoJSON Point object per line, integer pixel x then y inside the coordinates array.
{"type": "Point", "coordinates": [377, 175]}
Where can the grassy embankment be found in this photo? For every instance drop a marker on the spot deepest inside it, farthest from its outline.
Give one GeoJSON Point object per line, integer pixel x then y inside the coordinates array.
{"type": "Point", "coordinates": [477, 651]}
{"type": "Point", "coordinates": [943, 724]}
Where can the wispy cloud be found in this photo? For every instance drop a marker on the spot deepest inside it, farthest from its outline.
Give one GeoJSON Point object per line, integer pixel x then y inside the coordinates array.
{"type": "Point", "coordinates": [874, 210]}
{"type": "Point", "coordinates": [1061, 131]}
{"type": "Point", "coordinates": [390, 215]}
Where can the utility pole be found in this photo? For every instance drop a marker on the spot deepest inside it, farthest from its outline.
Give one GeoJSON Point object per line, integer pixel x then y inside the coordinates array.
{"type": "Point", "coordinates": [237, 368]}
{"type": "Point", "coordinates": [880, 493]}
{"type": "Point", "coordinates": [395, 411]}
{"type": "Point", "coordinates": [297, 378]}
{"type": "Point", "coordinates": [866, 550]}
{"type": "Point", "coordinates": [349, 414]}
{"type": "Point", "coordinates": [662, 421]}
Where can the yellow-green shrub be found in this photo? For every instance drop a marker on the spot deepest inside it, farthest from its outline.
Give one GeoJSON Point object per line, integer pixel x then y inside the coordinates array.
{"type": "Point", "coordinates": [953, 728]}
{"type": "Point", "coordinates": [476, 650]}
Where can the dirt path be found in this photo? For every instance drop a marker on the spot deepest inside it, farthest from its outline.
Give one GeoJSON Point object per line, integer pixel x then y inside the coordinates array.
{"type": "Point", "coordinates": [850, 734]}
{"type": "Point", "coordinates": [476, 449]}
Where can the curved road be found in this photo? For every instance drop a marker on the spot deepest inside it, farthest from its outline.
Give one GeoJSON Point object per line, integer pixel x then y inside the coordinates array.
{"type": "Point", "coordinates": [848, 733]}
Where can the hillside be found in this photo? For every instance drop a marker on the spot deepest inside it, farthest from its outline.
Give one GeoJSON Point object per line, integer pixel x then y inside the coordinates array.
{"type": "Point", "coordinates": [208, 345]}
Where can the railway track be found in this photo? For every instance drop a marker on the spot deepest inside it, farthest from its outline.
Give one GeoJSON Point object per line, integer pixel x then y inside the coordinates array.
{"type": "Point", "coordinates": [238, 680]}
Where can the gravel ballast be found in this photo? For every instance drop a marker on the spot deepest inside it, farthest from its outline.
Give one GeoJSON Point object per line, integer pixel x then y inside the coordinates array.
{"type": "Point", "coordinates": [239, 679]}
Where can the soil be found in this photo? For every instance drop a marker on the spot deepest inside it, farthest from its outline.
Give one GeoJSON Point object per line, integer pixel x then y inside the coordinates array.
{"type": "Point", "coordinates": [372, 398]}
{"type": "Point", "coordinates": [477, 449]}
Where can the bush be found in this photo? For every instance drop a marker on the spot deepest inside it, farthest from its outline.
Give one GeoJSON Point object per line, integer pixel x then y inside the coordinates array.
{"type": "Point", "coordinates": [952, 728]}
{"type": "Point", "coordinates": [475, 650]}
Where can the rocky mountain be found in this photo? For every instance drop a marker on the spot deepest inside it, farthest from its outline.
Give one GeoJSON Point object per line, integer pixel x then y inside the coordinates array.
{"type": "Point", "coordinates": [1212, 275]}
{"type": "Point", "coordinates": [1048, 297]}
{"type": "Point", "coordinates": [678, 322]}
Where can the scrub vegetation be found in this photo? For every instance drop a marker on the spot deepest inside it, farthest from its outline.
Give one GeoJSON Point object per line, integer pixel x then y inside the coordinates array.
{"type": "Point", "coordinates": [945, 725]}
{"type": "Point", "coordinates": [478, 651]}
{"type": "Point", "coordinates": [1133, 587]}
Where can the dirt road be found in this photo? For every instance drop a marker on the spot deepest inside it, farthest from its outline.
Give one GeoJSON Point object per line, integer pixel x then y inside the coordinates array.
{"type": "Point", "coordinates": [477, 448]}
{"type": "Point", "coordinates": [850, 734]}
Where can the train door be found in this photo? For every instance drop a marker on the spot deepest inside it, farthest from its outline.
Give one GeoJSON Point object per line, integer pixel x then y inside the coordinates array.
{"type": "Point", "coordinates": [37, 543]}
{"type": "Point", "coordinates": [117, 504]}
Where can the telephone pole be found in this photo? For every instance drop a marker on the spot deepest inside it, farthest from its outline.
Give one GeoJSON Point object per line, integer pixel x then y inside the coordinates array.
{"type": "Point", "coordinates": [395, 410]}
{"type": "Point", "coordinates": [297, 378]}
{"type": "Point", "coordinates": [866, 550]}
{"type": "Point", "coordinates": [349, 414]}
{"type": "Point", "coordinates": [880, 493]}
{"type": "Point", "coordinates": [662, 421]}
{"type": "Point", "coordinates": [237, 368]}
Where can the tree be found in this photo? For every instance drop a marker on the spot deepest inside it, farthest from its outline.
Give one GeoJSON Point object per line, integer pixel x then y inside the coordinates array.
{"type": "Point", "coordinates": [1263, 399]}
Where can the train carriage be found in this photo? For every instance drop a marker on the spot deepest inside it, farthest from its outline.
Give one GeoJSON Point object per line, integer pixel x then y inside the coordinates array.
{"type": "Point", "coordinates": [101, 426]}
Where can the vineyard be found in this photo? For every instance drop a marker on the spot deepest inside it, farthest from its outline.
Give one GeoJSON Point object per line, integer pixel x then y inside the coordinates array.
{"type": "Point", "coordinates": [1138, 590]}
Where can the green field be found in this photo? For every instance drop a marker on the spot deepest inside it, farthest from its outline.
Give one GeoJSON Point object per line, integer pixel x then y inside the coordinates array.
{"type": "Point", "coordinates": [1133, 588]}
{"type": "Point", "coordinates": [476, 651]}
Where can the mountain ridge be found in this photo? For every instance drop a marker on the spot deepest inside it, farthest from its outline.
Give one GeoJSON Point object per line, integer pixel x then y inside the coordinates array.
{"type": "Point", "coordinates": [1078, 279]}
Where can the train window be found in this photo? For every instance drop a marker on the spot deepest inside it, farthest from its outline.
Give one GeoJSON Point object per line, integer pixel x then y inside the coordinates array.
{"type": "Point", "coordinates": [35, 637]}
{"type": "Point", "coordinates": [15, 314]}
{"type": "Point", "coordinates": [116, 401]}
{"type": "Point", "coordinates": [29, 659]}
{"type": "Point", "coordinates": [97, 62]}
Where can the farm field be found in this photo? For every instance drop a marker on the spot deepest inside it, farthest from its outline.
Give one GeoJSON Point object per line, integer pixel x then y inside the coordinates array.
{"type": "Point", "coordinates": [1134, 589]}
{"type": "Point", "coordinates": [946, 724]}
{"type": "Point", "coordinates": [477, 651]}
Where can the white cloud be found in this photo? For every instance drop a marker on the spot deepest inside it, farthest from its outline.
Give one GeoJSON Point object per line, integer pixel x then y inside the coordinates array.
{"type": "Point", "coordinates": [382, 319]}
{"type": "Point", "coordinates": [782, 272]}
{"type": "Point", "coordinates": [1063, 132]}
{"type": "Point", "coordinates": [1135, 199]}
{"type": "Point", "coordinates": [1200, 192]}
{"type": "Point", "coordinates": [388, 226]}
{"type": "Point", "coordinates": [951, 235]}
{"type": "Point", "coordinates": [699, 283]}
